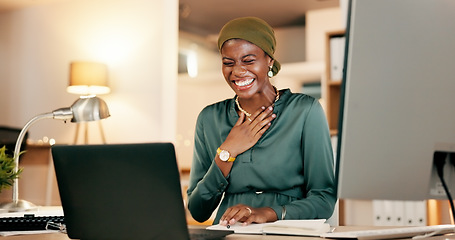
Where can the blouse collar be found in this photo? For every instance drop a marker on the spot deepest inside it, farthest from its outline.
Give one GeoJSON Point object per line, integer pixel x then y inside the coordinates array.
{"type": "Point", "coordinates": [279, 105]}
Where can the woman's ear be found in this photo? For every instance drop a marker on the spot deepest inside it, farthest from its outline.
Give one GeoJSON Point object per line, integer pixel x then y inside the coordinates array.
{"type": "Point", "coordinates": [271, 62]}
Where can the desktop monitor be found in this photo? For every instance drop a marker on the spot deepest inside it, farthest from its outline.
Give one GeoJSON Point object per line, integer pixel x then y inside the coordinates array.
{"type": "Point", "coordinates": [397, 103]}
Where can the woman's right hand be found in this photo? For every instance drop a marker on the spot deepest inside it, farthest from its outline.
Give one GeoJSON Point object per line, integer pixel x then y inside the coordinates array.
{"type": "Point", "coordinates": [247, 132]}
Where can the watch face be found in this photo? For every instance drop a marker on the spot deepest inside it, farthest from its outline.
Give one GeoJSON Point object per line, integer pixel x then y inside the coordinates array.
{"type": "Point", "coordinates": [224, 155]}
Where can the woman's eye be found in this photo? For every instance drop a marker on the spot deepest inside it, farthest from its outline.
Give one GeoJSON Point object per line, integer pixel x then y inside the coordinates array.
{"type": "Point", "coordinates": [228, 63]}
{"type": "Point", "coordinates": [248, 60]}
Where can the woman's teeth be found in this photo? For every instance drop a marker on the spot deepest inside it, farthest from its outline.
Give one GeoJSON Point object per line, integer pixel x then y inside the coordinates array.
{"type": "Point", "coordinates": [244, 82]}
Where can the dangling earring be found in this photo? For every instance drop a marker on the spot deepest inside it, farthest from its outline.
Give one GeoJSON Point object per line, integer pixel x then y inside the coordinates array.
{"type": "Point", "coordinates": [270, 72]}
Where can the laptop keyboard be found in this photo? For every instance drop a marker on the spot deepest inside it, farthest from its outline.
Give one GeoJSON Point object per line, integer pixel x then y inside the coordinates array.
{"type": "Point", "coordinates": [31, 223]}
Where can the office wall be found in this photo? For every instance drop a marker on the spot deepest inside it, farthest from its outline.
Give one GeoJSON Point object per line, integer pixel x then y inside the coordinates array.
{"type": "Point", "coordinates": [137, 39]}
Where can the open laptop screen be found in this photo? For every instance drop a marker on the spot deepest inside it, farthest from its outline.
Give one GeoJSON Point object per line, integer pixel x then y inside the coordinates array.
{"type": "Point", "coordinates": [123, 191]}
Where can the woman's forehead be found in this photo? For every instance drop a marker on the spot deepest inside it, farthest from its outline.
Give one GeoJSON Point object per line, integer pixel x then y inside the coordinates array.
{"type": "Point", "coordinates": [239, 46]}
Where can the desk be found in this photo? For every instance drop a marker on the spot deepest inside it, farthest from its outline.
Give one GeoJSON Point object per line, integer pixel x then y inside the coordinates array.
{"type": "Point", "coordinates": [61, 236]}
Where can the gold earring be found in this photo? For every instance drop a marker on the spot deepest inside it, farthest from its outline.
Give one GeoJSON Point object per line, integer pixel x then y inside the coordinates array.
{"type": "Point", "coordinates": [270, 72]}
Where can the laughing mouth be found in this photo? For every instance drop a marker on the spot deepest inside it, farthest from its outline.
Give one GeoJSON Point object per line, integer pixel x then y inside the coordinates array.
{"type": "Point", "coordinates": [243, 83]}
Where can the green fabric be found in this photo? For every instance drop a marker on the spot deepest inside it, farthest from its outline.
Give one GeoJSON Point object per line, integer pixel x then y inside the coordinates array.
{"type": "Point", "coordinates": [292, 163]}
{"type": "Point", "coordinates": [254, 30]}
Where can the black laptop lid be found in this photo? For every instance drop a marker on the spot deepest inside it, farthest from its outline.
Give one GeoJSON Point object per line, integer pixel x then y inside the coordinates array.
{"type": "Point", "coordinates": [123, 191]}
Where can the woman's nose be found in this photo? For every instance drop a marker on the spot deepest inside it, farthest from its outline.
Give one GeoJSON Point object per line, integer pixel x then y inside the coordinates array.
{"type": "Point", "coordinates": [239, 70]}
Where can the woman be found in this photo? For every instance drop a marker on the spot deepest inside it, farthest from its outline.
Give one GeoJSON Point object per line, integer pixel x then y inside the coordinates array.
{"type": "Point", "coordinates": [265, 154]}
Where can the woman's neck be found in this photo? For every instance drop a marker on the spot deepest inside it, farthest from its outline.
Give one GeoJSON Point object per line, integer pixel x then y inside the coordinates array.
{"type": "Point", "coordinates": [264, 98]}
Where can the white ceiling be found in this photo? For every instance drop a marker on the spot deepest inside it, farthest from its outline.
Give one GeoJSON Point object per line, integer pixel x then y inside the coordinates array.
{"type": "Point", "coordinates": [206, 17]}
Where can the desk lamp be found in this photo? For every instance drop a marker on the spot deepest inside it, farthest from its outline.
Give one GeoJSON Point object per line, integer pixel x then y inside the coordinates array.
{"type": "Point", "coordinates": [85, 79]}
{"type": "Point", "coordinates": [86, 108]}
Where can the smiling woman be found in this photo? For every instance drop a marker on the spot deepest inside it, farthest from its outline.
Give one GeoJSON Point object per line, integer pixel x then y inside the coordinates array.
{"type": "Point", "coordinates": [265, 154]}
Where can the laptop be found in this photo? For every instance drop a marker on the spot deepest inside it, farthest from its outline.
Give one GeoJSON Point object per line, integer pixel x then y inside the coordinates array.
{"type": "Point", "coordinates": [122, 191]}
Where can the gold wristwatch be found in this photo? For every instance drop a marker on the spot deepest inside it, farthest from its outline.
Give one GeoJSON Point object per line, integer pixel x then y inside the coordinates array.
{"type": "Point", "coordinates": [225, 156]}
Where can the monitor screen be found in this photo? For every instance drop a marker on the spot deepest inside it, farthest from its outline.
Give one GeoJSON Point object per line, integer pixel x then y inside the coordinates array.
{"type": "Point", "coordinates": [397, 104]}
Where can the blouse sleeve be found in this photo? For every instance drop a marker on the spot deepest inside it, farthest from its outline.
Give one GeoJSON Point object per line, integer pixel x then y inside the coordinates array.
{"type": "Point", "coordinates": [207, 182]}
{"type": "Point", "coordinates": [318, 171]}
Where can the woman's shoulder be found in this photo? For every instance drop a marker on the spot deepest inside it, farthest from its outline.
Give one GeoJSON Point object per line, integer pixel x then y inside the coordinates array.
{"type": "Point", "coordinates": [298, 98]}
{"type": "Point", "coordinates": [215, 110]}
{"type": "Point", "coordinates": [217, 106]}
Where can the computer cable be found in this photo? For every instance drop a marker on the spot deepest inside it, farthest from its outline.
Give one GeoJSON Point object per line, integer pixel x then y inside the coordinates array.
{"type": "Point", "coordinates": [439, 159]}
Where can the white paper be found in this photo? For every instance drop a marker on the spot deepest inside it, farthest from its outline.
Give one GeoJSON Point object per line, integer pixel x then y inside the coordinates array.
{"type": "Point", "coordinates": [253, 228]}
{"type": "Point", "coordinates": [285, 227]}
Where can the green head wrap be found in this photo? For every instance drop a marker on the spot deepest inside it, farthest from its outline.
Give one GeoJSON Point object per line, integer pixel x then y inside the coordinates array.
{"type": "Point", "coordinates": [254, 30]}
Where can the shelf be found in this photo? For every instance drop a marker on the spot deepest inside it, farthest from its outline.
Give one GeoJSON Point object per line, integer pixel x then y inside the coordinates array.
{"type": "Point", "coordinates": [333, 86]}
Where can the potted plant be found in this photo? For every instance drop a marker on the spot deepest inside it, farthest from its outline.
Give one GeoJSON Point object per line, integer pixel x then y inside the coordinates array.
{"type": "Point", "coordinates": [7, 173]}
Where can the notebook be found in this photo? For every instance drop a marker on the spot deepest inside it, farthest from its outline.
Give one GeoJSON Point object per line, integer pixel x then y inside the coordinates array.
{"type": "Point", "coordinates": [122, 191]}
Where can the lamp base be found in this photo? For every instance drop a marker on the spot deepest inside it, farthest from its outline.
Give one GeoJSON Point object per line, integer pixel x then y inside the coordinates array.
{"type": "Point", "coordinates": [18, 206]}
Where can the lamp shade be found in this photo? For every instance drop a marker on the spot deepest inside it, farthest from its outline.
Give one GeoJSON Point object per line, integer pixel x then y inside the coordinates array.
{"type": "Point", "coordinates": [88, 78]}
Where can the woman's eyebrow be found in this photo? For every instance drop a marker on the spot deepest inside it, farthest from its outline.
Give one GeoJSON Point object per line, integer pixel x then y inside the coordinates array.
{"type": "Point", "coordinates": [249, 55]}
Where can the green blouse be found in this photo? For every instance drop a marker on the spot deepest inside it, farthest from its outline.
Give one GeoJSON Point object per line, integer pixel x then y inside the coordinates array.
{"type": "Point", "coordinates": [291, 165]}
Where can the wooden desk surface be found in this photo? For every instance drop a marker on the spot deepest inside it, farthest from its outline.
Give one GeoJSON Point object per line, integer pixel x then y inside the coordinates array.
{"type": "Point", "coordinates": [62, 236]}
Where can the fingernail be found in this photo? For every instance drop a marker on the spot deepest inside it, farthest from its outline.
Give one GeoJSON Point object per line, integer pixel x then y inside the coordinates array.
{"type": "Point", "coordinates": [223, 222]}
{"type": "Point", "coordinates": [232, 221]}
{"type": "Point", "coordinates": [262, 107]}
{"type": "Point", "coordinates": [270, 108]}
{"type": "Point", "coordinates": [273, 115]}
